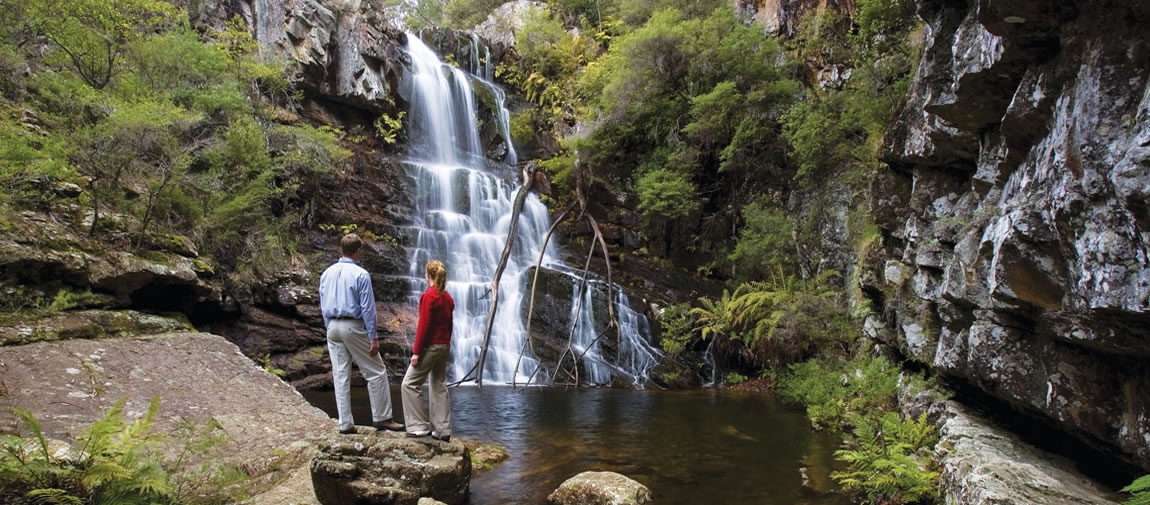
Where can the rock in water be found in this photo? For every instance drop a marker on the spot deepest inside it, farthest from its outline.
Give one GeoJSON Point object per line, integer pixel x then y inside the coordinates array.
{"type": "Point", "coordinates": [389, 469]}
{"type": "Point", "coordinates": [600, 488]}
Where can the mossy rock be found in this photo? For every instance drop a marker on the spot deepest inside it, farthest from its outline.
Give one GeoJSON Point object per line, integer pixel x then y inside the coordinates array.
{"type": "Point", "coordinates": [485, 457]}
{"type": "Point", "coordinates": [88, 324]}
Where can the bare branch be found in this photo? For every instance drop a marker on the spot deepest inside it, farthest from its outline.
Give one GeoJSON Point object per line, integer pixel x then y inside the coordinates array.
{"type": "Point", "coordinates": [534, 282]}
{"type": "Point", "coordinates": [575, 320]}
{"type": "Point", "coordinates": [517, 209]}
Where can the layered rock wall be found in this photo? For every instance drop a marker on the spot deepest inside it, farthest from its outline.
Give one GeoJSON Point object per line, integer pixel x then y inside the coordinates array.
{"type": "Point", "coordinates": [1014, 216]}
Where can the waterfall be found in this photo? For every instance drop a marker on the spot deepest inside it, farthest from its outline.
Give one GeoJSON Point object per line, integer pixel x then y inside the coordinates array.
{"type": "Point", "coordinates": [462, 216]}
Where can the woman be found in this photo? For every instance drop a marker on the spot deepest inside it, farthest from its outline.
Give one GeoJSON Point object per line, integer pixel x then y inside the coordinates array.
{"type": "Point", "coordinates": [429, 357]}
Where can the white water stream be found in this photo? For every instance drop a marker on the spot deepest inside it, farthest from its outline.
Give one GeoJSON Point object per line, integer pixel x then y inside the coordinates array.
{"type": "Point", "coordinates": [463, 212]}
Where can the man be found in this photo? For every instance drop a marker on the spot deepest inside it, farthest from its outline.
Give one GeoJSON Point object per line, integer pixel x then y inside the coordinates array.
{"type": "Point", "coordinates": [348, 306]}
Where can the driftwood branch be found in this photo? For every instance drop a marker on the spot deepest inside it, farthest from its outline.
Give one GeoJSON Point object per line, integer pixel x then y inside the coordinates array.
{"type": "Point", "coordinates": [534, 282]}
{"type": "Point", "coordinates": [516, 210]}
{"type": "Point", "coordinates": [612, 321]}
{"type": "Point", "coordinates": [575, 321]}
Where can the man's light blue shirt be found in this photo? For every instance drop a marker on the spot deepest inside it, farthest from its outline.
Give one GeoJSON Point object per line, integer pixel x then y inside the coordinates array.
{"type": "Point", "coordinates": [345, 291]}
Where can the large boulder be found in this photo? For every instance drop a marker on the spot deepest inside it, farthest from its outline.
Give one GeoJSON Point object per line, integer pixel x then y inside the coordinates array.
{"type": "Point", "coordinates": [270, 429]}
{"type": "Point", "coordinates": [384, 468]}
{"type": "Point", "coordinates": [600, 488]}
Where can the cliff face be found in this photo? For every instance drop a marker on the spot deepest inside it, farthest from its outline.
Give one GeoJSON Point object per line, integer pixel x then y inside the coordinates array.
{"type": "Point", "coordinates": [782, 17]}
{"type": "Point", "coordinates": [1014, 214]}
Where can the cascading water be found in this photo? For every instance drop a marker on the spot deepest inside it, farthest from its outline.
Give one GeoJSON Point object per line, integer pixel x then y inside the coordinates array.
{"type": "Point", "coordinates": [463, 213]}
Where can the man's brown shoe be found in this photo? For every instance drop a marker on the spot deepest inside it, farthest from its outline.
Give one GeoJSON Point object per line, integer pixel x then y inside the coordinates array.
{"type": "Point", "coordinates": [389, 425]}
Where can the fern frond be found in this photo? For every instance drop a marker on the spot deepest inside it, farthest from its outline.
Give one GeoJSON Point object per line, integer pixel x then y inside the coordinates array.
{"type": "Point", "coordinates": [52, 496]}
{"type": "Point", "coordinates": [1140, 489]}
{"type": "Point", "coordinates": [1140, 485]}
{"type": "Point", "coordinates": [33, 425]}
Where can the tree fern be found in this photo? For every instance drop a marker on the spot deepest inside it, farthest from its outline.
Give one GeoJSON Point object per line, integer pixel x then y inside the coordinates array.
{"type": "Point", "coordinates": [1140, 489]}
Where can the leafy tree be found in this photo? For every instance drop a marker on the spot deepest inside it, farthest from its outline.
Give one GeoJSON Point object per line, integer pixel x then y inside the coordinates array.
{"type": "Point", "coordinates": [94, 34]}
{"type": "Point", "coordinates": [666, 194]}
{"type": "Point", "coordinates": [765, 244]}
{"type": "Point", "coordinates": [415, 15]}
{"type": "Point", "coordinates": [465, 14]}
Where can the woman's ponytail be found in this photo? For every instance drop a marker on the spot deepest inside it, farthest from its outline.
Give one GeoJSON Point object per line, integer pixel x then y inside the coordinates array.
{"type": "Point", "coordinates": [438, 274]}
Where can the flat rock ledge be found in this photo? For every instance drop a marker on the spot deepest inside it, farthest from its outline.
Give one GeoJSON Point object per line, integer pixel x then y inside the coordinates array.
{"type": "Point", "coordinates": [384, 468]}
{"type": "Point", "coordinates": [982, 464]}
{"type": "Point", "coordinates": [600, 488]}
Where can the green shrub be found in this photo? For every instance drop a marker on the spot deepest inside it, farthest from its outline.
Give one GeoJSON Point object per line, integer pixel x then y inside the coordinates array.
{"type": "Point", "coordinates": [523, 127]}
{"type": "Point", "coordinates": [67, 300]}
{"type": "Point", "coordinates": [676, 329]}
{"type": "Point", "coordinates": [734, 378]}
{"type": "Point", "coordinates": [835, 390]}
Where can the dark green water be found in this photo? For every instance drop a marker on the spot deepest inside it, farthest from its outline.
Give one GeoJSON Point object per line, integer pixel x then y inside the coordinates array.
{"type": "Point", "coordinates": [688, 447]}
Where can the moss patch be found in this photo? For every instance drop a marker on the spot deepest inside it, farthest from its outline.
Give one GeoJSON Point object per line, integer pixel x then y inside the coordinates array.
{"type": "Point", "coordinates": [484, 457]}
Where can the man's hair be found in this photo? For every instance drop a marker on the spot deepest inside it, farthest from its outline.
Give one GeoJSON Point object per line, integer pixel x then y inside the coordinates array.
{"type": "Point", "coordinates": [350, 244]}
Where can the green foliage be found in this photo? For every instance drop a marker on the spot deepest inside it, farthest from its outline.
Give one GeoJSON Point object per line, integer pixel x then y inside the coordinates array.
{"type": "Point", "coordinates": [664, 194]}
{"type": "Point", "coordinates": [637, 12]}
{"type": "Point", "coordinates": [775, 322]}
{"type": "Point", "coordinates": [687, 108]}
{"type": "Point", "coordinates": [67, 300]}
{"type": "Point", "coordinates": [115, 461]}
{"type": "Point", "coordinates": [889, 460]}
{"type": "Point", "coordinates": [734, 378]}
{"type": "Point", "coordinates": [714, 318]}
{"type": "Point", "coordinates": [269, 367]}
{"type": "Point", "coordinates": [676, 331]}
{"type": "Point", "coordinates": [390, 128]}
{"type": "Point", "coordinates": [560, 169]}
{"type": "Point", "coordinates": [835, 391]}
{"type": "Point", "coordinates": [28, 154]}
{"type": "Point", "coordinates": [550, 50]}
{"type": "Point", "coordinates": [523, 127]}
{"type": "Point", "coordinates": [111, 466]}
{"type": "Point", "coordinates": [414, 15]}
{"type": "Point", "coordinates": [94, 34]}
{"type": "Point", "coordinates": [465, 14]}
{"type": "Point", "coordinates": [766, 242]}
{"type": "Point", "coordinates": [1139, 490]}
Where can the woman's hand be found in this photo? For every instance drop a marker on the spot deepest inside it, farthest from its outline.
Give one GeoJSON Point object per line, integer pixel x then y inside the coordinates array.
{"type": "Point", "coordinates": [414, 360]}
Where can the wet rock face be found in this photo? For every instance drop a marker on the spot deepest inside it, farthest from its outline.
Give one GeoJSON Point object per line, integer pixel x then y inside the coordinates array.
{"type": "Point", "coordinates": [347, 51]}
{"type": "Point", "coordinates": [386, 468]}
{"type": "Point", "coordinates": [1020, 257]}
{"type": "Point", "coordinates": [782, 17]}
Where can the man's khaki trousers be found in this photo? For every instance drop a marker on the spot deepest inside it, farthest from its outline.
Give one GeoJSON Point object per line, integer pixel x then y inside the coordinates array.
{"type": "Point", "coordinates": [346, 342]}
{"type": "Point", "coordinates": [433, 363]}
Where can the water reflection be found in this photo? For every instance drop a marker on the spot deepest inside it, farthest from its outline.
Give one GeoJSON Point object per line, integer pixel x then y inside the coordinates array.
{"type": "Point", "coordinates": [689, 447]}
